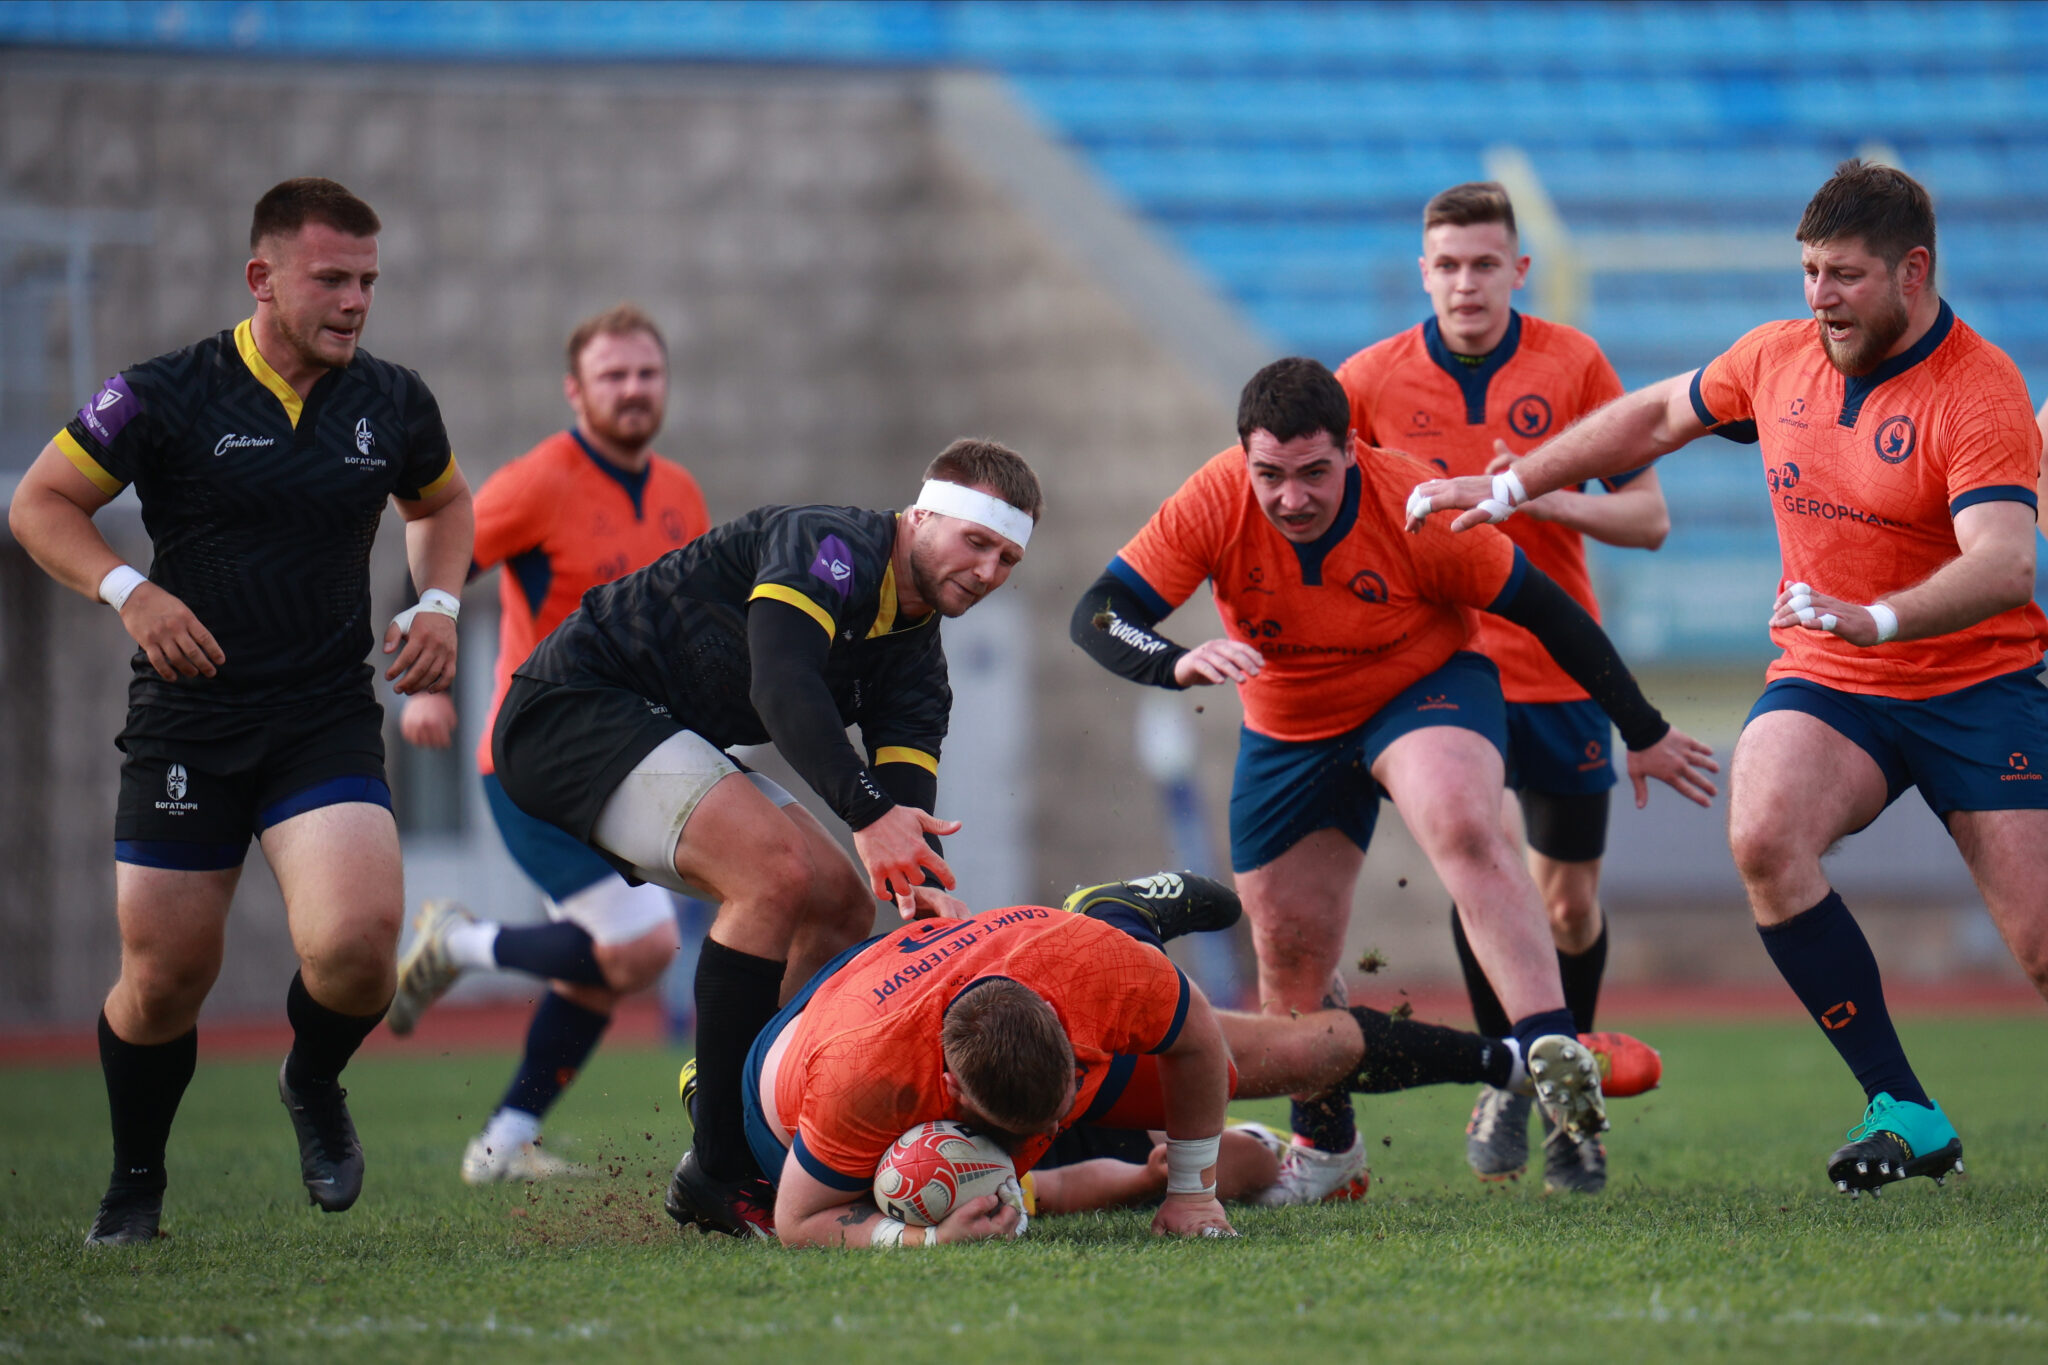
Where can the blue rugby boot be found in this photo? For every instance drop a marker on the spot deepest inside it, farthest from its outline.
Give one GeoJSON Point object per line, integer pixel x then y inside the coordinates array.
{"type": "Point", "coordinates": [1168, 903]}
{"type": "Point", "coordinates": [1896, 1140]}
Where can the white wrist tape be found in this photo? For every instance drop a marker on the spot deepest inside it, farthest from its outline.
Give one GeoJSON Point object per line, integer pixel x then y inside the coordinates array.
{"type": "Point", "coordinates": [434, 600]}
{"type": "Point", "coordinates": [1887, 621]}
{"type": "Point", "coordinates": [1188, 1160]}
{"type": "Point", "coordinates": [889, 1233]}
{"type": "Point", "coordinates": [120, 581]}
{"type": "Point", "coordinates": [971, 504]}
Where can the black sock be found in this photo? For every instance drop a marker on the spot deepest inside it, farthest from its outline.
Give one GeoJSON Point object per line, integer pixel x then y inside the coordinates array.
{"type": "Point", "coordinates": [145, 1081]}
{"type": "Point", "coordinates": [737, 994]}
{"type": "Point", "coordinates": [1401, 1053]}
{"type": "Point", "coordinates": [1326, 1120]}
{"type": "Point", "coordinates": [1581, 973]}
{"type": "Point", "coordinates": [1533, 1026]}
{"type": "Point", "coordinates": [1827, 962]}
{"type": "Point", "coordinates": [322, 1039]}
{"type": "Point", "coordinates": [558, 1042]}
{"type": "Point", "coordinates": [1487, 1015]}
{"type": "Point", "coordinates": [559, 951]}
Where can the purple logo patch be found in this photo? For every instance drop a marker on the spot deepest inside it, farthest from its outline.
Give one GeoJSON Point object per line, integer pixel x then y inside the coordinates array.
{"type": "Point", "coordinates": [112, 408]}
{"type": "Point", "coordinates": [834, 564]}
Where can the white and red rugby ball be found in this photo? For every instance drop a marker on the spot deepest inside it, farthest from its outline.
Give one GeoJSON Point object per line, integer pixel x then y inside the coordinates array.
{"type": "Point", "coordinates": [934, 1168]}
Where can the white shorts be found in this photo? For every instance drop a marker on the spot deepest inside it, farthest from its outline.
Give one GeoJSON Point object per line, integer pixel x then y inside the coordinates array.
{"type": "Point", "coordinates": [642, 821]}
{"type": "Point", "coordinates": [612, 911]}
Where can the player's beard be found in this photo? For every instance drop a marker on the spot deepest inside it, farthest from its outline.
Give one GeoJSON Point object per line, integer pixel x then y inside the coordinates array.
{"type": "Point", "coordinates": [1875, 335]}
{"type": "Point", "coordinates": [930, 584]}
{"type": "Point", "coordinates": [634, 436]}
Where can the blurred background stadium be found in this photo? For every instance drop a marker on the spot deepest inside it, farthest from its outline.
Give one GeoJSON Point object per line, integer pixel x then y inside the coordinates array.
{"type": "Point", "coordinates": [872, 226]}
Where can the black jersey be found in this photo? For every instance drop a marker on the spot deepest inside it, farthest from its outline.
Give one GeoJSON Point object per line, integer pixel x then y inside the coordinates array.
{"type": "Point", "coordinates": [675, 632]}
{"type": "Point", "coordinates": [262, 508]}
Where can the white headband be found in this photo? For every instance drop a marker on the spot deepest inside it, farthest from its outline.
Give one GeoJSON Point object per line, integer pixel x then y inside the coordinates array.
{"type": "Point", "coordinates": [971, 504]}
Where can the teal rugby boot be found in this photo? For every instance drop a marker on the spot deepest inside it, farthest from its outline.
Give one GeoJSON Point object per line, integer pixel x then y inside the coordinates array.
{"type": "Point", "coordinates": [1896, 1140]}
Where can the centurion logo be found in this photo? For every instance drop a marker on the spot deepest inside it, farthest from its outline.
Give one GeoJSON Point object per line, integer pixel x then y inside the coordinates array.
{"type": "Point", "coordinates": [234, 442]}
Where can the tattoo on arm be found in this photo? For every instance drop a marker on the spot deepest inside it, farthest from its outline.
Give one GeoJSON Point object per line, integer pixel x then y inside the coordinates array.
{"type": "Point", "coordinates": [856, 1214]}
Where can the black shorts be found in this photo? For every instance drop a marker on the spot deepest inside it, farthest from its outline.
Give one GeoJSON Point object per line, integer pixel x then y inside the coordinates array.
{"type": "Point", "coordinates": [197, 782]}
{"type": "Point", "coordinates": [562, 749]}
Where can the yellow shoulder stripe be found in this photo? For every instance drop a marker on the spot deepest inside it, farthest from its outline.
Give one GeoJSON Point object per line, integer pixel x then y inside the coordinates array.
{"type": "Point", "coordinates": [86, 464]}
{"type": "Point", "coordinates": [898, 753]}
{"type": "Point", "coordinates": [441, 480]}
{"type": "Point", "coordinates": [775, 592]}
{"type": "Point", "coordinates": [245, 342]}
{"type": "Point", "coordinates": [885, 615]}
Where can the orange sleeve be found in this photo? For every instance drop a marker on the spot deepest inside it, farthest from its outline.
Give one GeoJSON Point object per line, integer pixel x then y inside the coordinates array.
{"type": "Point", "coordinates": [515, 510]}
{"type": "Point", "coordinates": [1113, 993]}
{"type": "Point", "coordinates": [1990, 443]}
{"type": "Point", "coordinates": [1177, 548]}
{"type": "Point", "coordinates": [1722, 389]}
{"type": "Point", "coordinates": [1601, 384]}
{"type": "Point", "coordinates": [696, 515]}
{"type": "Point", "coordinates": [1467, 569]}
{"type": "Point", "coordinates": [1352, 375]}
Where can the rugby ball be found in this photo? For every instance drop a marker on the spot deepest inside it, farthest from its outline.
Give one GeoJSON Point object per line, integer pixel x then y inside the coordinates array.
{"type": "Point", "coordinates": [934, 1168]}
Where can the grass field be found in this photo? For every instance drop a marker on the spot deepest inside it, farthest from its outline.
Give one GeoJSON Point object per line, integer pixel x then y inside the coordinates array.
{"type": "Point", "coordinates": [1718, 1238]}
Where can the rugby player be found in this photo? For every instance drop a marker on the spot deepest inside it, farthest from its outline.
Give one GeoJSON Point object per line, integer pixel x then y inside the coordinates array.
{"type": "Point", "coordinates": [581, 508]}
{"type": "Point", "coordinates": [1347, 643]}
{"type": "Point", "coordinates": [262, 457]}
{"type": "Point", "coordinates": [1903, 461]}
{"type": "Point", "coordinates": [1464, 391]}
{"type": "Point", "coordinates": [785, 625]}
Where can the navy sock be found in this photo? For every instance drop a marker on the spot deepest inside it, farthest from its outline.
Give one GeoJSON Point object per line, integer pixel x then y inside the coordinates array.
{"type": "Point", "coordinates": [1401, 1053]}
{"type": "Point", "coordinates": [322, 1039]}
{"type": "Point", "coordinates": [558, 1042]}
{"type": "Point", "coordinates": [737, 994]}
{"type": "Point", "coordinates": [1827, 962]}
{"type": "Point", "coordinates": [1126, 918]}
{"type": "Point", "coordinates": [1533, 1026]}
{"type": "Point", "coordinates": [1581, 973]}
{"type": "Point", "coordinates": [145, 1081]}
{"type": "Point", "coordinates": [1326, 1120]}
{"type": "Point", "coordinates": [558, 951]}
{"type": "Point", "coordinates": [1487, 1015]}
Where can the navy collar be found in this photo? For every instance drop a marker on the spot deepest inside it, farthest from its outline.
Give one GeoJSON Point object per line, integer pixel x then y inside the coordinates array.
{"type": "Point", "coordinates": [1856, 388]}
{"type": "Point", "coordinates": [635, 483]}
{"type": "Point", "coordinates": [1312, 554]}
{"type": "Point", "coordinates": [1473, 379]}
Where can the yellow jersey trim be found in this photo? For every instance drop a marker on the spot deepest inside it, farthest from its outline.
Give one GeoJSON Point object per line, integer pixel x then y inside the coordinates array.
{"type": "Point", "coordinates": [245, 342]}
{"type": "Point", "coordinates": [898, 753]}
{"type": "Point", "coordinates": [885, 615]}
{"type": "Point", "coordinates": [86, 464]}
{"type": "Point", "coordinates": [441, 480]}
{"type": "Point", "coordinates": [775, 592]}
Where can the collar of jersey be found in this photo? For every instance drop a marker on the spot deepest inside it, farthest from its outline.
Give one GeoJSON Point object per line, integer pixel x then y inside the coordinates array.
{"type": "Point", "coordinates": [1473, 379]}
{"type": "Point", "coordinates": [245, 343]}
{"type": "Point", "coordinates": [635, 484]}
{"type": "Point", "coordinates": [1856, 388]}
{"type": "Point", "coordinates": [1312, 554]}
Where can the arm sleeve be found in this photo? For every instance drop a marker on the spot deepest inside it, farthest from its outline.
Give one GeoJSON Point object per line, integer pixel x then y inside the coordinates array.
{"type": "Point", "coordinates": [796, 707]}
{"type": "Point", "coordinates": [1351, 374]}
{"type": "Point", "coordinates": [1113, 625]}
{"type": "Point", "coordinates": [515, 511]}
{"type": "Point", "coordinates": [1722, 389]}
{"type": "Point", "coordinates": [1991, 445]}
{"type": "Point", "coordinates": [1112, 992]}
{"type": "Point", "coordinates": [111, 436]}
{"type": "Point", "coordinates": [1533, 601]}
{"type": "Point", "coordinates": [429, 461]}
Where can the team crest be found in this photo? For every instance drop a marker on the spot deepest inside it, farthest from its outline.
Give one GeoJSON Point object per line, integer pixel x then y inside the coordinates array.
{"type": "Point", "coordinates": [176, 782]}
{"type": "Point", "coordinates": [1368, 586]}
{"type": "Point", "coordinates": [364, 440]}
{"type": "Point", "coordinates": [1529, 415]}
{"type": "Point", "coordinates": [1896, 439]}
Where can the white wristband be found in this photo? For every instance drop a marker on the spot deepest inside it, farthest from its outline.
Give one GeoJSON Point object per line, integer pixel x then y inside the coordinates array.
{"type": "Point", "coordinates": [1507, 487]}
{"type": "Point", "coordinates": [1887, 621]}
{"type": "Point", "coordinates": [434, 600]}
{"type": "Point", "coordinates": [1188, 1161]}
{"type": "Point", "coordinates": [121, 580]}
{"type": "Point", "coordinates": [889, 1233]}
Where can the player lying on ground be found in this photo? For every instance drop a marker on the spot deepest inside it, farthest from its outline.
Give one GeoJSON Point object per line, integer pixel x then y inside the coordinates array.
{"type": "Point", "coordinates": [1903, 461]}
{"type": "Point", "coordinates": [1024, 1022]}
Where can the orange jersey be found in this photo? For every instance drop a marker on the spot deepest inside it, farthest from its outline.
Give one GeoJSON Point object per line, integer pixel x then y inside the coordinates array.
{"type": "Point", "coordinates": [1866, 477]}
{"type": "Point", "coordinates": [864, 1064]}
{"type": "Point", "coordinates": [1345, 624]}
{"type": "Point", "coordinates": [561, 520]}
{"type": "Point", "coordinates": [1411, 393]}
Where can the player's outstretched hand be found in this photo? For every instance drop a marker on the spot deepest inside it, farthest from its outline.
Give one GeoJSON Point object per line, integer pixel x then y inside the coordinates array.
{"type": "Point", "coordinates": [177, 645]}
{"type": "Point", "coordinates": [1678, 760]}
{"type": "Point", "coordinates": [1218, 661]}
{"type": "Point", "coordinates": [977, 1220]}
{"type": "Point", "coordinates": [428, 720]}
{"type": "Point", "coordinates": [427, 662]}
{"type": "Point", "coordinates": [894, 852]}
{"type": "Point", "coordinates": [1799, 605]}
{"type": "Point", "coordinates": [1192, 1215]}
{"type": "Point", "coordinates": [1448, 495]}
{"type": "Point", "coordinates": [928, 902]}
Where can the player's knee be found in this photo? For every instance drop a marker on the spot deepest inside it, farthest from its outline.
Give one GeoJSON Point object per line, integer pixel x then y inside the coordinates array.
{"type": "Point", "coordinates": [1764, 851]}
{"type": "Point", "coordinates": [638, 963]}
{"type": "Point", "coordinates": [166, 985]}
{"type": "Point", "coordinates": [1471, 837]}
{"type": "Point", "coordinates": [1572, 912]}
{"type": "Point", "coordinates": [351, 973]}
{"type": "Point", "coordinates": [781, 882]}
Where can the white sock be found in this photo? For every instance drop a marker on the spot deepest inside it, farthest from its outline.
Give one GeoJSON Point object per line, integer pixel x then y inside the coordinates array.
{"type": "Point", "coordinates": [473, 947]}
{"type": "Point", "coordinates": [511, 1129]}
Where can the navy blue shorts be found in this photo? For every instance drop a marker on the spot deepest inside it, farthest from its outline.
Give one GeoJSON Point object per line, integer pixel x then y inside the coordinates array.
{"type": "Point", "coordinates": [1285, 790]}
{"type": "Point", "coordinates": [1565, 748]}
{"type": "Point", "coordinates": [556, 861]}
{"type": "Point", "coordinates": [1982, 748]}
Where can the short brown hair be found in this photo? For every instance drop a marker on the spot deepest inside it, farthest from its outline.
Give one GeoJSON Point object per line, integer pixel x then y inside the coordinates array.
{"type": "Point", "coordinates": [623, 319]}
{"type": "Point", "coordinates": [1889, 210]}
{"type": "Point", "coordinates": [1294, 397]}
{"type": "Point", "coordinates": [971, 460]}
{"type": "Point", "coordinates": [1476, 201]}
{"type": "Point", "coordinates": [1008, 1050]}
{"type": "Point", "coordinates": [287, 207]}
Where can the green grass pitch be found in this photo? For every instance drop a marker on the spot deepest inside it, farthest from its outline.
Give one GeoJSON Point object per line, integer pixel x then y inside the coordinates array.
{"type": "Point", "coordinates": [1717, 1239]}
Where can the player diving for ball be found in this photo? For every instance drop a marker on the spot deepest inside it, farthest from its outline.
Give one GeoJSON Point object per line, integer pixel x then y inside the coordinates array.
{"type": "Point", "coordinates": [1348, 642]}
{"type": "Point", "coordinates": [1904, 464]}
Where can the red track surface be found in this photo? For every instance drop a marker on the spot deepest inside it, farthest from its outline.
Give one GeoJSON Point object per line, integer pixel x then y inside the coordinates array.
{"type": "Point", "coordinates": [500, 1027]}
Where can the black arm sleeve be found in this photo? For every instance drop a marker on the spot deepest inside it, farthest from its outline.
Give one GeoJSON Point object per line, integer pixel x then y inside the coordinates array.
{"type": "Point", "coordinates": [789, 694]}
{"type": "Point", "coordinates": [909, 785]}
{"type": "Point", "coordinates": [1114, 628]}
{"type": "Point", "coordinates": [1582, 649]}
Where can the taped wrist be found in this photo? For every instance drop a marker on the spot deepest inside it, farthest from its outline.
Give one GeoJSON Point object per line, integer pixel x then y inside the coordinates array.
{"type": "Point", "coordinates": [1189, 1163]}
{"type": "Point", "coordinates": [432, 600]}
{"type": "Point", "coordinates": [120, 582]}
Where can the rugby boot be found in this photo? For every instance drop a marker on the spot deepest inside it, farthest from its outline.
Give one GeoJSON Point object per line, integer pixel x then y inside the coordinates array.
{"type": "Point", "coordinates": [330, 1157]}
{"type": "Point", "coordinates": [686, 1086]}
{"type": "Point", "coordinates": [1309, 1175]}
{"type": "Point", "coordinates": [128, 1217]}
{"type": "Point", "coordinates": [738, 1208]}
{"type": "Point", "coordinates": [1896, 1139]}
{"type": "Point", "coordinates": [1497, 1134]}
{"type": "Point", "coordinates": [426, 971]}
{"type": "Point", "coordinates": [1571, 1167]}
{"type": "Point", "coordinates": [484, 1164]}
{"type": "Point", "coordinates": [1171, 903]}
{"type": "Point", "coordinates": [1567, 1084]}
{"type": "Point", "coordinates": [1628, 1066]}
